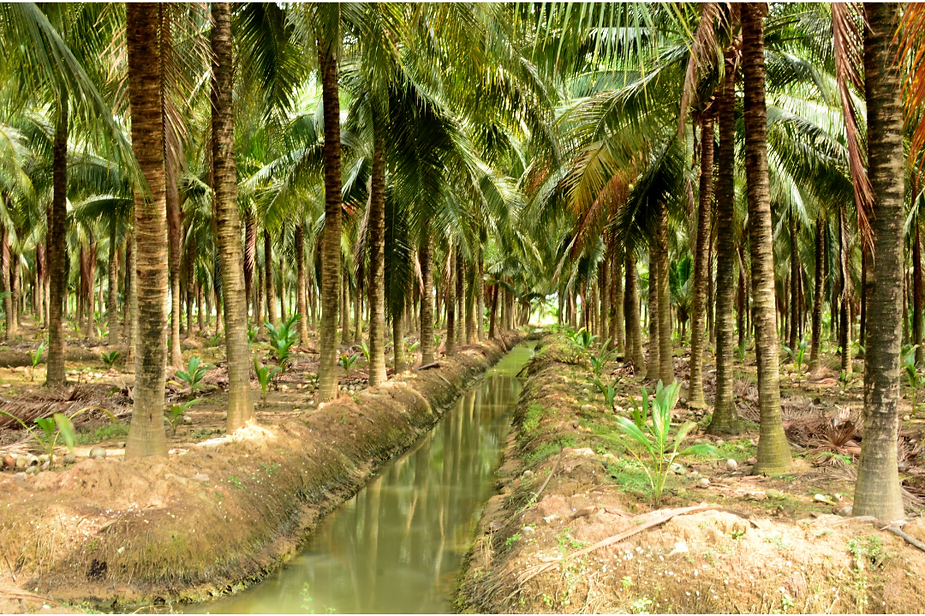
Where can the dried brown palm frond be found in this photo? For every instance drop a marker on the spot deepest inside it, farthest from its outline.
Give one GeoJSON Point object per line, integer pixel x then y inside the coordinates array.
{"type": "Point", "coordinates": [911, 54]}
{"type": "Point", "coordinates": [847, 25]}
{"type": "Point", "coordinates": [45, 404]}
{"type": "Point", "coordinates": [704, 50]}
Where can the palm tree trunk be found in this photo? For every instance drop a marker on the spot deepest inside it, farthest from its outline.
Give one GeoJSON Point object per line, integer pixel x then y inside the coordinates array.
{"type": "Point", "coordinates": [845, 316]}
{"type": "Point", "coordinates": [268, 279]}
{"type": "Point", "coordinates": [617, 314]}
{"type": "Point", "coordinates": [862, 334]}
{"type": "Point", "coordinates": [57, 249]}
{"type": "Point", "coordinates": [460, 297]}
{"type": "Point", "coordinates": [375, 288]}
{"type": "Point", "coordinates": [470, 305]}
{"type": "Point", "coordinates": [604, 278]}
{"type": "Point", "coordinates": [877, 491]}
{"type": "Point", "coordinates": [918, 294]}
{"type": "Point", "coordinates": [345, 308]}
{"type": "Point", "coordinates": [631, 308]}
{"type": "Point", "coordinates": [818, 297]}
{"type": "Point", "coordinates": [146, 434]}
{"type": "Point", "coordinates": [704, 234]}
{"type": "Point", "coordinates": [451, 303]}
{"type": "Point", "coordinates": [480, 299]}
{"type": "Point", "coordinates": [665, 358]}
{"type": "Point", "coordinates": [112, 299]}
{"type": "Point", "coordinates": [794, 283]}
{"type": "Point", "coordinates": [398, 343]}
{"type": "Point", "coordinates": [725, 418]}
{"type": "Point", "coordinates": [330, 241]}
{"type": "Point", "coordinates": [250, 256]}
{"type": "Point", "coordinates": [41, 272]}
{"type": "Point", "coordinates": [773, 450]}
{"type": "Point", "coordinates": [493, 317]}
{"type": "Point", "coordinates": [652, 359]}
{"type": "Point", "coordinates": [174, 227]}
{"type": "Point", "coordinates": [301, 305]}
{"type": "Point", "coordinates": [5, 268]}
{"type": "Point", "coordinates": [228, 225]}
{"type": "Point", "coordinates": [425, 255]}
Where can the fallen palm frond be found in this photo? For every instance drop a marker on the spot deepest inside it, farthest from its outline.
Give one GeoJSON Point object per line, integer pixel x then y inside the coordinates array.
{"type": "Point", "coordinates": [45, 404]}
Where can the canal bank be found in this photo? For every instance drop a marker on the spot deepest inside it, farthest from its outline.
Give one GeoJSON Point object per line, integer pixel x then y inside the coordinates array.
{"type": "Point", "coordinates": [221, 515]}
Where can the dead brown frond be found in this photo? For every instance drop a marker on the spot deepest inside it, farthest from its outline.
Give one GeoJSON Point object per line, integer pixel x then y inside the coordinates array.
{"type": "Point", "coordinates": [704, 49]}
{"type": "Point", "coordinates": [847, 25]}
{"type": "Point", "coordinates": [911, 55]}
{"type": "Point", "coordinates": [45, 404]}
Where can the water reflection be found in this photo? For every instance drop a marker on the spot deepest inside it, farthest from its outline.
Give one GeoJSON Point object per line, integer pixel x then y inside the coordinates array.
{"type": "Point", "coordinates": [397, 546]}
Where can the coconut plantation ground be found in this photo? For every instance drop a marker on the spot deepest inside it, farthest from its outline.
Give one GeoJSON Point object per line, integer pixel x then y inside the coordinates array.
{"type": "Point", "coordinates": [251, 252]}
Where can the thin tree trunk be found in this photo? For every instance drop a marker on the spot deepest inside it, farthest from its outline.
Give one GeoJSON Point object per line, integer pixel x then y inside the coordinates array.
{"type": "Point", "coordinates": [268, 279]}
{"type": "Point", "coordinates": [425, 255]}
{"type": "Point", "coordinates": [918, 294]}
{"type": "Point", "coordinates": [631, 308]}
{"type": "Point", "coordinates": [330, 242]}
{"type": "Point", "coordinates": [605, 278]}
{"type": "Point", "coordinates": [666, 360]}
{"type": "Point", "coordinates": [250, 257]}
{"type": "Point", "coordinates": [301, 306]}
{"type": "Point", "coordinates": [877, 491]}
{"type": "Point", "coordinates": [460, 297]}
{"type": "Point", "coordinates": [345, 308]}
{"type": "Point", "coordinates": [57, 248]}
{"type": "Point", "coordinates": [845, 316]}
{"type": "Point", "coordinates": [113, 297]}
{"type": "Point", "coordinates": [480, 290]}
{"type": "Point", "coordinates": [174, 227]}
{"type": "Point", "coordinates": [862, 334]}
{"type": "Point", "coordinates": [815, 352]}
{"type": "Point", "coordinates": [725, 418]}
{"type": "Point", "coordinates": [794, 283]}
{"type": "Point", "coordinates": [228, 225]}
{"type": "Point", "coordinates": [5, 259]}
{"type": "Point", "coordinates": [41, 274]}
{"type": "Point", "coordinates": [653, 348]}
{"type": "Point", "coordinates": [617, 314]}
{"type": "Point", "coordinates": [376, 285]}
{"type": "Point", "coordinates": [773, 450]}
{"type": "Point", "coordinates": [146, 434]}
{"type": "Point", "coordinates": [451, 303]}
{"type": "Point", "coordinates": [701, 262]}
{"type": "Point", "coordinates": [493, 318]}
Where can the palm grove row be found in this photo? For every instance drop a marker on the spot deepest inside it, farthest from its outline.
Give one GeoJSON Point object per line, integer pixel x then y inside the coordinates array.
{"type": "Point", "coordinates": [718, 168]}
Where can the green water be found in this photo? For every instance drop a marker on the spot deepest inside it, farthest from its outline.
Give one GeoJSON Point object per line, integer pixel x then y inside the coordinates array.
{"type": "Point", "coordinates": [397, 546]}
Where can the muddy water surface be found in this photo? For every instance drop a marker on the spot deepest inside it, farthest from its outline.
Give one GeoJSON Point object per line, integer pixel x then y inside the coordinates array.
{"type": "Point", "coordinates": [397, 546]}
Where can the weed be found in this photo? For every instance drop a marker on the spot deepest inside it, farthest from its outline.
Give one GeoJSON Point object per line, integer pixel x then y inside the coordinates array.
{"type": "Point", "coordinates": [566, 541]}
{"type": "Point", "coordinates": [512, 539]}
{"type": "Point", "coordinates": [626, 582]}
{"type": "Point", "coordinates": [251, 335]}
{"type": "Point", "coordinates": [236, 482]}
{"type": "Point", "coordinates": [641, 605]}
{"type": "Point", "coordinates": [365, 348]}
{"type": "Point", "coordinates": [602, 358]}
{"type": "Point", "coordinates": [531, 418]}
{"type": "Point", "coordinates": [269, 468]}
{"type": "Point", "coordinates": [111, 431]}
{"type": "Point", "coordinates": [867, 549]}
{"type": "Point", "coordinates": [797, 356]}
{"type": "Point", "coordinates": [776, 539]}
{"type": "Point", "coordinates": [737, 534]}
{"type": "Point", "coordinates": [215, 340]}
{"type": "Point", "coordinates": [609, 391]}
{"type": "Point", "coordinates": [581, 339]}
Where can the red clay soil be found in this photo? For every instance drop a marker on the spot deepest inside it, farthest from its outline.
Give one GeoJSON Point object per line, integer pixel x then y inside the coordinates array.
{"type": "Point", "coordinates": [216, 515]}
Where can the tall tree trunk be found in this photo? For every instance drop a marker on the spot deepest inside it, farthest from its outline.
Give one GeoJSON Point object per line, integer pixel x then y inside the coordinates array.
{"type": "Point", "coordinates": [398, 343]}
{"type": "Point", "coordinates": [375, 288]}
{"type": "Point", "coordinates": [794, 283]}
{"type": "Point", "coordinates": [57, 248]}
{"type": "Point", "coordinates": [41, 275]}
{"type": "Point", "coordinates": [228, 225]}
{"type": "Point", "coordinates": [617, 314]}
{"type": "Point", "coordinates": [451, 303]}
{"type": "Point", "coordinates": [653, 348]}
{"type": "Point", "coordinates": [131, 310]}
{"type": "Point", "coordinates": [345, 308]}
{"type": "Point", "coordinates": [146, 434]}
{"type": "Point", "coordinates": [425, 255]}
{"type": "Point", "coordinates": [815, 352]}
{"type": "Point", "coordinates": [877, 491]}
{"type": "Point", "coordinates": [330, 242]}
{"type": "Point", "coordinates": [174, 231]}
{"type": "Point", "coordinates": [773, 450]}
{"type": "Point", "coordinates": [470, 305]}
{"type": "Point", "coordinates": [918, 294]}
{"type": "Point", "coordinates": [604, 278]}
{"type": "Point", "coordinates": [112, 299]}
{"type": "Point", "coordinates": [250, 257]}
{"type": "Point", "coordinates": [7, 280]}
{"type": "Point", "coordinates": [862, 333]}
{"type": "Point", "coordinates": [631, 308]}
{"type": "Point", "coordinates": [301, 305]}
{"type": "Point", "coordinates": [845, 316]}
{"type": "Point", "coordinates": [268, 279]}
{"type": "Point", "coordinates": [460, 297]}
{"type": "Point", "coordinates": [725, 418]}
{"type": "Point", "coordinates": [701, 261]}
{"type": "Point", "coordinates": [665, 357]}
{"type": "Point", "coordinates": [480, 297]}
{"type": "Point", "coordinates": [493, 317]}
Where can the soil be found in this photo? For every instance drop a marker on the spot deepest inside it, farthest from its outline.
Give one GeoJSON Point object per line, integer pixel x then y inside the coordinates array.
{"type": "Point", "coordinates": [221, 511]}
{"type": "Point", "coordinates": [759, 544]}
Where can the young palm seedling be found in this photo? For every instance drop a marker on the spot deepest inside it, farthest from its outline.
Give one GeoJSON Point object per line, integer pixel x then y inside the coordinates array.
{"type": "Point", "coordinates": [282, 339]}
{"type": "Point", "coordinates": [251, 335]}
{"type": "Point", "coordinates": [47, 429]}
{"type": "Point", "coordinates": [265, 375]}
{"type": "Point", "coordinates": [609, 391]}
{"type": "Point", "coordinates": [110, 358]}
{"type": "Point", "coordinates": [602, 359]}
{"type": "Point", "coordinates": [582, 339]}
{"type": "Point", "coordinates": [651, 442]}
{"type": "Point", "coordinates": [346, 361]}
{"type": "Point", "coordinates": [36, 358]}
{"type": "Point", "coordinates": [844, 380]}
{"type": "Point", "coordinates": [193, 374]}
{"type": "Point", "coordinates": [176, 413]}
{"type": "Point", "coordinates": [411, 347]}
{"type": "Point", "coordinates": [797, 355]}
{"type": "Point", "coordinates": [365, 348]}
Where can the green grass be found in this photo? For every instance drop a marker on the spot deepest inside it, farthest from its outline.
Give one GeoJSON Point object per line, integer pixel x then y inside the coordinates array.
{"type": "Point", "coordinates": [630, 475]}
{"type": "Point", "coordinates": [531, 419]}
{"type": "Point", "coordinates": [547, 449]}
{"type": "Point", "coordinates": [104, 433]}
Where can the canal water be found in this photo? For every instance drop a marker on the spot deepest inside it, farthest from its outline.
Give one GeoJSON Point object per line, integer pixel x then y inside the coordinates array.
{"type": "Point", "coordinates": [398, 545]}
